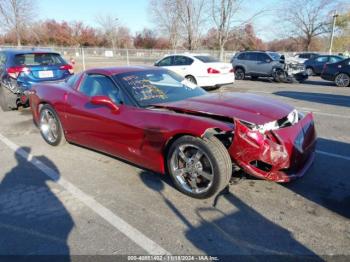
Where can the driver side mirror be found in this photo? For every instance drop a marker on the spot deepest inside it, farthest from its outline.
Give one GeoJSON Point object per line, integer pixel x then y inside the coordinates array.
{"type": "Point", "coordinates": [104, 101]}
{"type": "Point", "coordinates": [268, 60]}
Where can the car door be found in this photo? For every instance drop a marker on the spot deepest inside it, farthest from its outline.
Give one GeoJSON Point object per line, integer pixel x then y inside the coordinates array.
{"type": "Point", "coordinates": [263, 66]}
{"type": "Point", "coordinates": [167, 62]}
{"type": "Point", "coordinates": [99, 127]}
{"type": "Point", "coordinates": [252, 63]}
{"type": "Point", "coordinates": [319, 63]}
{"type": "Point", "coordinates": [182, 65]}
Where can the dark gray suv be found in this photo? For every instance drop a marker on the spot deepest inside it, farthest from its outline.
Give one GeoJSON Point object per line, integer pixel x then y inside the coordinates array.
{"type": "Point", "coordinates": [256, 63]}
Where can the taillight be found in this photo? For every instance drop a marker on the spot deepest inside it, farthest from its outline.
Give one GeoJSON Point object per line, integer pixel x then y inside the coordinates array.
{"type": "Point", "coordinates": [67, 67]}
{"type": "Point", "coordinates": [16, 70]}
{"type": "Point", "coordinates": [212, 71]}
{"type": "Point", "coordinates": [232, 70]}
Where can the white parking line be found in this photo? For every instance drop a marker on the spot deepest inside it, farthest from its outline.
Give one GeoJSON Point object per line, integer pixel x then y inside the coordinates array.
{"type": "Point", "coordinates": [132, 233]}
{"type": "Point", "coordinates": [333, 155]}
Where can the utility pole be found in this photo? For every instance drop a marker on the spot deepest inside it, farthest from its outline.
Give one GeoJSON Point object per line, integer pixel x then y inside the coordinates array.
{"type": "Point", "coordinates": [335, 15]}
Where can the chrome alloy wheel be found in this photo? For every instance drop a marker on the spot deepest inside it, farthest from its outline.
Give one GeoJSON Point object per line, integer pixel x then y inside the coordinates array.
{"type": "Point", "coordinates": [342, 80]}
{"type": "Point", "coordinates": [192, 169]}
{"type": "Point", "coordinates": [49, 126]}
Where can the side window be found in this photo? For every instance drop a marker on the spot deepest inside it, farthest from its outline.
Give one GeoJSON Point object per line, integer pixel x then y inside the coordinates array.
{"type": "Point", "coordinates": [261, 57]}
{"type": "Point", "coordinates": [242, 56]}
{"type": "Point", "coordinates": [182, 60]}
{"type": "Point", "coordinates": [72, 81]}
{"type": "Point", "coordinates": [335, 59]}
{"type": "Point", "coordinates": [322, 59]}
{"type": "Point", "coordinates": [252, 56]}
{"type": "Point", "coordinates": [168, 61]}
{"type": "Point", "coordinates": [100, 85]}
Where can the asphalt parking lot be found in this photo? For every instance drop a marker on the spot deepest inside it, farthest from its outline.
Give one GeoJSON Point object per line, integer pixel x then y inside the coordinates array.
{"type": "Point", "coordinates": [70, 200]}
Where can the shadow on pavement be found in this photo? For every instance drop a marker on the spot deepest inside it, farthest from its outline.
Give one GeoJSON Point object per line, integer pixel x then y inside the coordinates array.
{"type": "Point", "coordinates": [243, 234]}
{"type": "Point", "coordinates": [327, 183]}
{"type": "Point", "coordinates": [33, 221]}
{"type": "Point", "coordinates": [329, 99]}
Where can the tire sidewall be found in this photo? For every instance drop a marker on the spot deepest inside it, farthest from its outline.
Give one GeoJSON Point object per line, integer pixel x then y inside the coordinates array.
{"type": "Point", "coordinates": [241, 74]}
{"type": "Point", "coordinates": [200, 143]}
{"type": "Point", "coordinates": [60, 138]}
{"type": "Point", "coordinates": [340, 75]}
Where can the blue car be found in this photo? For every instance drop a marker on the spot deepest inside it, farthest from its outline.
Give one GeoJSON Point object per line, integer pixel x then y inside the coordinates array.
{"type": "Point", "coordinates": [314, 66]}
{"type": "Point", "coordinates": [21, 69]}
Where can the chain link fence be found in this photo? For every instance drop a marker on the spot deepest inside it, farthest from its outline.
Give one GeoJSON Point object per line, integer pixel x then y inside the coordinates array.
{"type": "Point", "coordinates": [85, 58]}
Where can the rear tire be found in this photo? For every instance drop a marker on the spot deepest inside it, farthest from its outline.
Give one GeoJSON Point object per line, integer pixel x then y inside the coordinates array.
{"type": "Point", "coordinates": [7, 99]}
{"type": "Point", "coordinates": [239, 73]}
{"type": "Point", "coordinates": [50, 126]}
{"type": "Point", "coordinates": [189, 157]}
{"type": "Point", "coordinates": [342, 80]}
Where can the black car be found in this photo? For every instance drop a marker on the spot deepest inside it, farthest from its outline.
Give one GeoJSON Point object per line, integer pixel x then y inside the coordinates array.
{"type": "Point", "coordinates": [314, 66]}
{"type": "Point", "coordinates": [337, 72]}
{"type": "Point", "coordinates": [20, 69]}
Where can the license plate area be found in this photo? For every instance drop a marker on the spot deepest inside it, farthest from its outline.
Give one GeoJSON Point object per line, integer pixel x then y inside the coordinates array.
{"type": "Point", "coordinates": [45, 74]}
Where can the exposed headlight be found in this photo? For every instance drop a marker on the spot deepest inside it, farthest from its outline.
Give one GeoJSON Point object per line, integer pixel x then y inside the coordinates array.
{"type": "Point", "coordinates": [293, 118]}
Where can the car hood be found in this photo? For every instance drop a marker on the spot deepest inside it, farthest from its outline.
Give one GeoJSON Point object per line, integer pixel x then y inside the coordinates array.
{"type": "Point", "coordinates": [247, 107]}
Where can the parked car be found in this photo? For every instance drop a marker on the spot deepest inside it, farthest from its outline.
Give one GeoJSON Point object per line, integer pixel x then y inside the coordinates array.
{"type": "Point", "coordinates": [154, 118]}
{"type": "Point", "coordinates": [266, 64]}
{"type": "Point", "coordinates": [337, 72]}
{"type": "Point", "coordinates": [21, 69]}
{"type": "Point", "coordinates": [201, 69]}
{"type": "Point", "coordinates": [302, 57]}
{"type": "Point", "coordinates": [314, 66]}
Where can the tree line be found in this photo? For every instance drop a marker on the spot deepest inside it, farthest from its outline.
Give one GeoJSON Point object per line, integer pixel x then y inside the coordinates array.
{"type": "Point", "coordinates": [186, 24]}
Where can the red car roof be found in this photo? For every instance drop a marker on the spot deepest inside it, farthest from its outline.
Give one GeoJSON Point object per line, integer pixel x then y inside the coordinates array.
{"type": "Point", "coordinates": [118, 70]}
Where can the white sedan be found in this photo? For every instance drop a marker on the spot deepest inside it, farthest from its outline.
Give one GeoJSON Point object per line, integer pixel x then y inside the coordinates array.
{"type": "Point", "coordinates": [202, 70]}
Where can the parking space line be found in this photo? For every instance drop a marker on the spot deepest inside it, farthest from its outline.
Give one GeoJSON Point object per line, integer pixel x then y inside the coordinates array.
{"type": "Point", "coordinates": [129, 231]}
{"type": "Point", "coordinates": [333, 155]}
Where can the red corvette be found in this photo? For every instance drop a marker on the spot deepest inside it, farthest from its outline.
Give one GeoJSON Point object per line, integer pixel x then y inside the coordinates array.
{"type": "Point", "coordinates": [157, 120]}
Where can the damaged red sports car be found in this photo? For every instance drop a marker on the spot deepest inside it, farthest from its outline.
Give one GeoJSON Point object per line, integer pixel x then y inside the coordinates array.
{"type": "Point", "coordinates": [157, 120]}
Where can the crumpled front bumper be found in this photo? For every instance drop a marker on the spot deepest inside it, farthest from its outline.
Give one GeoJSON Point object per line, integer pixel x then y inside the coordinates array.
{"type": "Point", "coordinates": [281, 155]}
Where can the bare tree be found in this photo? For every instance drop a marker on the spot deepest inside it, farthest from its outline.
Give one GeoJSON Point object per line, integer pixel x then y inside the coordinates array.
{"type": "Point", "coordinates": [110, 27]}
{"type": "Point", "coordinates": [165, 15]}
{"type": "Point", "coordinates": [191, 15]}
{"type": "Point", "coordinates": [224, 14]}
{"type": "Point", "coordinates": [15, 15]}
{"type": "Point", "coordinates": [307, 19]}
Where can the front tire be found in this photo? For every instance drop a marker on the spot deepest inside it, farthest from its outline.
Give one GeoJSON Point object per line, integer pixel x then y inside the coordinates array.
{"type": "Point", "coordinates": [310, 71]}
{"type": "Point", "coordinates": [50, 126]}
{"type": "Point", "coordinates": [342, 80]}
{"type": "Point", "coordinates": [191, 79]}
{"type": "Point", "coordinates": [199, 168]}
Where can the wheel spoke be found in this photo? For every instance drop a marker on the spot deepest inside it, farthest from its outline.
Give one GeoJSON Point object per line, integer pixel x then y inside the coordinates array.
{"type": "Point", "coordinates": [206, 175]}
{"type": "Point", "coordinates": [193, 184]}
{"type": "Point", "coordinates": [197, 156]}
{"type": "Point", "coordinates": [183, 156]}
{"type": "Point", "coordinates": [180, 171]}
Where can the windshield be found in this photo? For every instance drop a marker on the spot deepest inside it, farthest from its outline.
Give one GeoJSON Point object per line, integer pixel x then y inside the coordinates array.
{"type": "Point", "coordinates": [207, 59]}
{"type": "Point", "coordinates": [151, 87]}
{"type": "Point", "coordinates": [39, 59]}
{"type": "Point", "coordinates": [275, 56]}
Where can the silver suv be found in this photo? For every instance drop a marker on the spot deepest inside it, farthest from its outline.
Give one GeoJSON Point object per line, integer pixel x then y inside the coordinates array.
{"type": "Point", "coordinates": [256, 63]}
